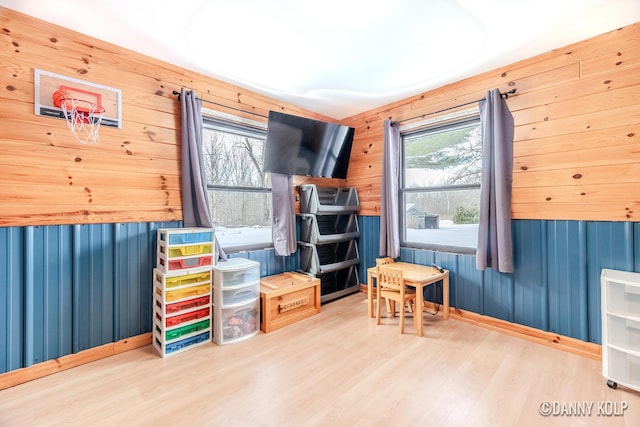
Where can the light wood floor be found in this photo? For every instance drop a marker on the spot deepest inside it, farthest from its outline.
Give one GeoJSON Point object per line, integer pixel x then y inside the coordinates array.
{"type": "Point", "coordinates": [336, 368]}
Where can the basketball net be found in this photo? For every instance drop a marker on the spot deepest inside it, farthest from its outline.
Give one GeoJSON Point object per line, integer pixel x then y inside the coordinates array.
{"type": "Point", "coordinates": [84, 124]}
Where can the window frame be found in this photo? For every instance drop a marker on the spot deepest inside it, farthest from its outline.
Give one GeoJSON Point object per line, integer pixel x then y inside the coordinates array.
{"type": "Point", "coordinates": [253, 130]}
{"type": "Point", "coordinates": [403, 191]}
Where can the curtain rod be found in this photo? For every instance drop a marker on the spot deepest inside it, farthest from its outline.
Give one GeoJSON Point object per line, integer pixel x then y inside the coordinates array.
{"type": "Point", "coordinates": [175, 92]}
{"type": "Point", "coordinates": [503, 94]}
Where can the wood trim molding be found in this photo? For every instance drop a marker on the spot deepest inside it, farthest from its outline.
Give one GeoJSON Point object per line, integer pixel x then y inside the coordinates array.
{"type": "Point", "coordinates": [572, 345]}
{"type": "Point", "coordinates": [62, 363]}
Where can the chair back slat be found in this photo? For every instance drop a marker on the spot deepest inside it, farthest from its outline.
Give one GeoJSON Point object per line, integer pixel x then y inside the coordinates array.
{"type": "Point", "coordinates": [390, 278]}
{"type": "Point", "coordinates": [392, 287]}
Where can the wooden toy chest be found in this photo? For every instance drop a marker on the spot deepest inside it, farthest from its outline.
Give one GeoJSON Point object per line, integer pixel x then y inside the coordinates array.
{"type": "Point", "coordinates": [287, 298]}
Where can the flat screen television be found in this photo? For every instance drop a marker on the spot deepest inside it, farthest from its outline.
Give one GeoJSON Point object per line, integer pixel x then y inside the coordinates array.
{"type": "Point", "coordinates": [301, 146]}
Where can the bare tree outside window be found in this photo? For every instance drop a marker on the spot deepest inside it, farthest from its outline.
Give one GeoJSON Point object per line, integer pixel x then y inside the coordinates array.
{"type": "Point", "coordinates": [239, 190]}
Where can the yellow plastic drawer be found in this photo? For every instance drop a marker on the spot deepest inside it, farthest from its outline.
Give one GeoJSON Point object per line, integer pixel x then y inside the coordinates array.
{"type": "Point", "coordinates": [182, 280]}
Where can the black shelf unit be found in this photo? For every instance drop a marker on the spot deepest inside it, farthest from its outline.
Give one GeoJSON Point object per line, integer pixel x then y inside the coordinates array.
{"type": "Point", "coordinates": [327, 244]}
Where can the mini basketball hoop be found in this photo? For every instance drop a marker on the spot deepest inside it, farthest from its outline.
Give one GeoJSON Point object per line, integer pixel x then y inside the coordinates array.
{"type": "Point", "coordinates": [83, 116]}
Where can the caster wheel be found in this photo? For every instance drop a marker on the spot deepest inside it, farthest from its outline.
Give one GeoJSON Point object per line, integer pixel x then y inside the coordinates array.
{"type": "Point", "coordinates": [612, 384]}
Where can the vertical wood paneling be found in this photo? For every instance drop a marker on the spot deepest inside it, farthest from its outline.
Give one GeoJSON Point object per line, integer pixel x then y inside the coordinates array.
{"type": "Point", "coordinates": [70, 288]}
{"type": "Point", "coordinates": [566, 277]}
{"type": "Point", "coordinates": [93, 250]}
{"type": "Point", "coordinates": [75, 287]}
{"type": "Point", "coordinates": [48, 282]}
{"type": "Point", "coordinates": [134, 262]}
{"type": "Point", "coordinates": [498, 295]}
{"type": "Point", "coordinates": [611, 245]}
{"type": "Point", "coordinates": [368, 244]}
{"type": "Point", "coordinates": [530, 284]}
{"type": "Point", "coordinates": [30, 299]}
{"type": "Point", "coordinates": [11, 298]}
{"type": "Point", "coordinates": [448, 261]}
{"type": "Point", "coordinates": [468, 285]}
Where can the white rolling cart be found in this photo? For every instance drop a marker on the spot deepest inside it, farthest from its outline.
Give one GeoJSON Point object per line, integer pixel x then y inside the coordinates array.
{"type": "Point", "coordinates": [236, 300]}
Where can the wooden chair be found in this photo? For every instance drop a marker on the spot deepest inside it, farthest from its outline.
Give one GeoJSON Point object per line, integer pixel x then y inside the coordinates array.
{"type": "Point", "coordinates": [385, 261]}
{"type": "Point", "coordinates": [391, 286]}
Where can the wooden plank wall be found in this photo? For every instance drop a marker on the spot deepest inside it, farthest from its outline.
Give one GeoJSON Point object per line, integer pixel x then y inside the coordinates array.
{"type": "Point", "coordinates": [133, 175]}
{"type": "Point", "coordinates": [576, 114]}
{"type": "Point", "coordinates": [577, 117]}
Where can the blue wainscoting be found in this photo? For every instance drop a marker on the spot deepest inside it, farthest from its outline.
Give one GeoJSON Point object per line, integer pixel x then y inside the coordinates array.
{"type": "Point", "coordinates": [556, 283]}
{"type": "Point", "coordinates": [68, 288]}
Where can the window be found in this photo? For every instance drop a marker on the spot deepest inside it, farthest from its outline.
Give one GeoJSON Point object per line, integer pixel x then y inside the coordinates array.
{"type": "Point", "coordinates": [440, 186]}
{"type": "Point", "coordinates": [239, 191]}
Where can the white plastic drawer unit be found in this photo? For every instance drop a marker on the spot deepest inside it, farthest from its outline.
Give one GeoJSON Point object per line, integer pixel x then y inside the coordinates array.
{"type": "Point", "coordinates": [236, 273]}
{"type": "Point", "coordinates": [236, 300]}
{"type": "Point", "coordinates": [620, 294]}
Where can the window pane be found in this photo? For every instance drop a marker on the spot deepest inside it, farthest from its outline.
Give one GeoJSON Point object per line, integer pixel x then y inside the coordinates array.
{"type": "Point", "coordinates": [443, 157]}
{"type": "Point", "coordinates": [446, 218]}
{"type": "Point", "coordinates": [233, 159]}
{"type": "Point", "coordinates": [241, 217]}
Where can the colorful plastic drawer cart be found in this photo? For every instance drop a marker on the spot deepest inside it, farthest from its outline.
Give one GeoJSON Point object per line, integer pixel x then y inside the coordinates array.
{"type": "Point", "coordinates": [182, 298]}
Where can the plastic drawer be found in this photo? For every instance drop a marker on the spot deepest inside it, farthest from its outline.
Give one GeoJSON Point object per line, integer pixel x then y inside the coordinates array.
{"type": "Point", "coordinates": [238, 295]}
{"type": "Point", "coordinates": [166, 349]}
{"type": "Point", "coordinates": [236, 323]}
{"type": "Point", "coordinates": [173, 265]}
{"type": "Point", "coordinates": [236, 272]}
{"type": "Point", "coordinates": [188, 292]}
{"type": "Point", "coordinates": [171, 334]}
{"type": "Point", "coordinates": [182, 236]}
{"type": "Point", "coordinates": [173, 321]}
{"type": "Point", "coordinates": [185, 250]}
{"type": "Point", "coordinates": [181, 278]}
{"type": "Point", "coordinates": [177, 307]}
{"type": "Point", "coordinates": [240, 278]}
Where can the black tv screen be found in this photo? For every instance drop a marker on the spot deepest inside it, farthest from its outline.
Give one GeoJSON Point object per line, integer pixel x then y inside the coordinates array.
{"type": "Point", "coordinates": [301, 146]}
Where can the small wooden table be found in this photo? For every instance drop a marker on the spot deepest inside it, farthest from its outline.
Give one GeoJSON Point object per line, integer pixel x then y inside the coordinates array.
{"type": "Point", "coordinates": [418, 276]}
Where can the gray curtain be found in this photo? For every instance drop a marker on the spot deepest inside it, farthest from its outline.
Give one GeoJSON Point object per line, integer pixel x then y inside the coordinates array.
{"type": "Point", "coordinates": [195, 205]}
{"type": "Point", "coordinates": [389, 211]}
{"type": "Point", "coordinates": [283, 227]}
{"type": "Point", "coordinates": [495, 246]}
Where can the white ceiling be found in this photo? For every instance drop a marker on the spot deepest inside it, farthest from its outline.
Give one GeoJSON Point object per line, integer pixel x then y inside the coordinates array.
{"type": "Point", "coordinates": [337, 57]}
